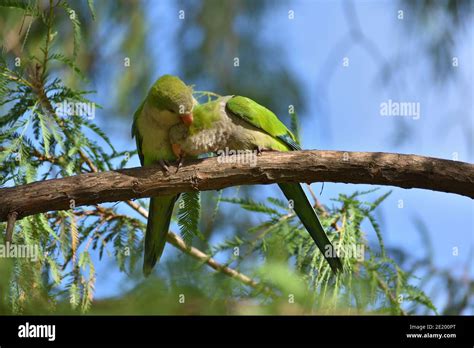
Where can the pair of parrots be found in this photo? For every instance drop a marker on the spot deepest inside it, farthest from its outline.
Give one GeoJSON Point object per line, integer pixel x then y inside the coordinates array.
{"type": "Point", "coordinates": [170, 124]}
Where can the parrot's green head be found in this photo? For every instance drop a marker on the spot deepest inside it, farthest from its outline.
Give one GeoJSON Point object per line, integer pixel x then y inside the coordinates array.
{"type": "Point", "coordinates": [171, 94]}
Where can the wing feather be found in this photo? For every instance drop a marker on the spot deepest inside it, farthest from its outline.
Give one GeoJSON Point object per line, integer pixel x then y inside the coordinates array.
{"type": "Point", "coordinates": [261, 118]}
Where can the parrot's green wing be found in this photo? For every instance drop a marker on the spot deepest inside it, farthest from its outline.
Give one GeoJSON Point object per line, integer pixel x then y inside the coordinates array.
{"type": "Point", "coordinates": [136, 133]}
{"type": "Point", "coordinates": [265, 120]}
{"type": "Point", "coordinates": [262, 118]}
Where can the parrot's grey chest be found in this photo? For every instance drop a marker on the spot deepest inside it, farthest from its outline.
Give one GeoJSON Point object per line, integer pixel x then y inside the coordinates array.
{"type": "Point", "coordinates": [210, 140]}
{"type": "Point", "coordinates": [227, 132]}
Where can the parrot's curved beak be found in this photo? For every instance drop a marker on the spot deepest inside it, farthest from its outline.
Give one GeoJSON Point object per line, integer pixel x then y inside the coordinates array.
{"type": "Point", "coordinates": [187, 118]}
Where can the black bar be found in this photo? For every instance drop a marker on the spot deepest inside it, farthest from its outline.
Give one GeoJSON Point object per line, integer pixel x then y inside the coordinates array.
{"type": "Point", "coordinates": [289, 330]}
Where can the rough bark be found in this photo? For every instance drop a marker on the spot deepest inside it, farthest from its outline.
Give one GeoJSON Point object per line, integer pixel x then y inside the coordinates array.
{"type": "Point", "coordinates": [406, 171]}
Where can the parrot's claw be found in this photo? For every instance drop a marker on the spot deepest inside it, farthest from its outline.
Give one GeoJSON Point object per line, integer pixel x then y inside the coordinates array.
{"type": "Point", "coordinates": [259, 150]}
{"type": "Point", "coordinates": [180, 164]}
{"type": "Point", "coordinates": [164, 165]}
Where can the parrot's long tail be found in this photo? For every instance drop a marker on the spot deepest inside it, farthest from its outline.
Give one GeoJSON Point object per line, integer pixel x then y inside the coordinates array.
{"type": "Point", "coordinates": [310, 220]}
{"type": "Point", "coordinates": [159, 216]}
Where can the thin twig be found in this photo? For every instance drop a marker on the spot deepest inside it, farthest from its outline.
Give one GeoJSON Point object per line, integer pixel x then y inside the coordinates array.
{"type": "Point", "coordinates": [391, 297]}
{"type": "Point", "coordinates": [179, 243]}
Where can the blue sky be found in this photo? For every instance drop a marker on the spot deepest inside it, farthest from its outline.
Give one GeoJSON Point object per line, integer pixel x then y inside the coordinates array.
{"type": "Point", "coordinates": [343, 112]}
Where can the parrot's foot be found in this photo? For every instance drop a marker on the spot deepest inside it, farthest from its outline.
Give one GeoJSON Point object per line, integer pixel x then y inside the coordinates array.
{"type": "Point", "coordinates": [259, 150]}
{"type": "Point", "coordinates": [179, 153]}
{"type": "Point", "coordinates": [180, 164]}
{"type": "Point", "coordinates": [164, 165]}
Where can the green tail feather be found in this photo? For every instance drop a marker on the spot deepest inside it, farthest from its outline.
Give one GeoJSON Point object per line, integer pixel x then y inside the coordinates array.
{"type": "Point", "coordinates": [159, 217]}
{"type": "Point", "coordinates": [310, 220]}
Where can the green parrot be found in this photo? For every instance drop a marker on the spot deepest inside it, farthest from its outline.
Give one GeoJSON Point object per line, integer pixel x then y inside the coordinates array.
{"type": "Point", "coordinates": [239, 123]}
{"type": "Point", "coordinates": [169, 102]}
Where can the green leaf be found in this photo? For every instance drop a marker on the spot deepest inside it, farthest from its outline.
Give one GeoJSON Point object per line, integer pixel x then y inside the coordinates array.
{"type": "Point", "coordinates": [74, 295]}
{"type": "Point", "coordinates": [76, 25]}
{"type": "Point", "coordinates": [250, 205]}
{"type": "Point", "coordinates": [189, 214]}
{"type": "Point", "coordinates": [90, 3]}
{"type": "Point", "coordinates": [44, 132]}
{"type": "Point", "coordinates": [69, 62]}
{"type": "Point", "coordinates": [55, 273]}
{"type": "Point", "coordinates": [99, 132]}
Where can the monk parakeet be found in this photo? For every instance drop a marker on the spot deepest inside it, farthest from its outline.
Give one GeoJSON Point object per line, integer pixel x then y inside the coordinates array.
{"type": "Point", "coordinates": [239, 123]}
{"type": "Point", "coordinates": [168, 103]}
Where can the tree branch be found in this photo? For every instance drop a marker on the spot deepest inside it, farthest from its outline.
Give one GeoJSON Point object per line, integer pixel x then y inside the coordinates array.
{"type": "Point", "coordinates": [406, 171]}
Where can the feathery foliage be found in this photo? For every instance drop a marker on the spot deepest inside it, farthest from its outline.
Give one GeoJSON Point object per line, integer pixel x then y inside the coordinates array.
{"type": "Point", "coordinates": [189, 215]}
{"type": "Point", "coordinates": [371, 283]}
{"type": "Point", "coordinates": [38, 142]}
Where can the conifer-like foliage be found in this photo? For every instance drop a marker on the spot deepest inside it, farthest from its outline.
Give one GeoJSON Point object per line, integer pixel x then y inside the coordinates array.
{"type": "Point", "coordinates": [37, 143]}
